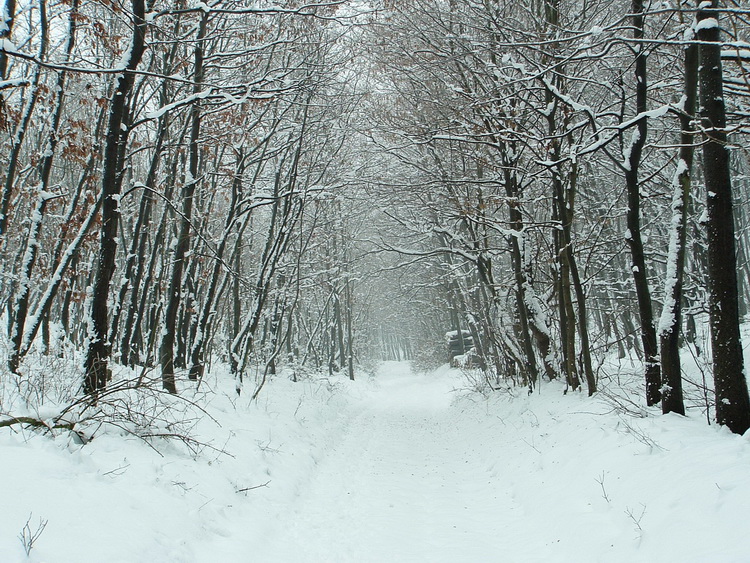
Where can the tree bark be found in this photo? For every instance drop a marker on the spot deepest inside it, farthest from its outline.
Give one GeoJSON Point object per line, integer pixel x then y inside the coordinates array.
{"type": "Point", "coordinates": [98, 345]}
{"type": "Point", "coordinates": [671, 319]}
{"type": "Point", "coordinates": [732, 402]}
{"type": "Point", "coordinates": [166, 350]}
{"type": "Point", "coordinates": [632, 164]}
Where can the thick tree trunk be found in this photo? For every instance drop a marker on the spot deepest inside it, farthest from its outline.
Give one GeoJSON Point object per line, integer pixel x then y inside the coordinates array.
{"type": "Point", "coordinates": [732, 402]}
{"type": "Point", "coordinates": [5, 30]}
{"type": "Point", "coordinates": [530, 367]}
{"type": "Point", "coordinates": [98, 345]}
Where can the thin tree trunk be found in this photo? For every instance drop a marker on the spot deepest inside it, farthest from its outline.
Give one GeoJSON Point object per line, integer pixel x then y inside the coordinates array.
{"type": "Point", "coordinates": [197, 354]}
{"type": "Point", "coordinates": [236, 316]}
{"type": "Point", "coordinates": [21, 304]}
{"type": "Point", "coordinates": [349, 330]}
{"type": "Point", "coordinates": [23, 126]}
{"type": "Point", "coordinates": [166, 350]}
{"type": "Point", "coordinates": [633, 160]}
{"type": "Point", "coordinates": [671, 317]}
{"type": "Point", "coordinates": [136, 258]}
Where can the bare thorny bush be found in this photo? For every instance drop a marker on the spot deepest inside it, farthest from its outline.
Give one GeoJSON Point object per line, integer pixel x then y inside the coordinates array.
{"type": "Point", "coordinates": [620, 384]}
{"type": "Point", "coordinates": [48, 399]}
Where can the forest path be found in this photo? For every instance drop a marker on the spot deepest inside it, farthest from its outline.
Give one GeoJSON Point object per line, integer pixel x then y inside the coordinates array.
{"type": "Point", "coordinates": [401, 483]}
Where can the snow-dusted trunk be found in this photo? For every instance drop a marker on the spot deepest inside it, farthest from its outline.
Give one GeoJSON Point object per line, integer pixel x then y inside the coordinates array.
{"type": "Point", "coordinates": [632, 163]}
{"type": "Point", "coordinates": [565, 300]}
{"type": "Point", "coordinates": [563, 211]}
{"type": "Point", "coordinates": [140, 286]}
{"type": "Point", "coordinates": [564, 199]}
{"type": "Point", "coordinates": [236, 319]}
{"type": "Point", "coordinates": [141, 343]}
{"type": "Point", "coordinates": [284, 215]}
{"type": "Point", "coordinates": [350, 330]}
{"type": "Point", "coordinates": [6, 27]}
{"type": "Point", "coordinates": [166, 349]}
{"type": "Point", "coordinates": [27, 112]}
{"type": "Point", "coordinates": [136, 262]}
{"type": "Point", "coordinates": [732, 402]}
{"type": "Point", "coordinates": [285, 212]}
{"type": "Point", "coordinates": [516, 224]}
{"type": "Point", "coordinates": [20, 340]}
{"type": "Point", "coordinates": [65, 254]}
{"type": "Point", "coordinates": [583, 317]}
{"type": "Point", "coordinates": [197, 353]}
{"type": "Point", "coordinates": [21, 302]}
{"type": "Point", "coordinates": [98, 345]}
{"type": "Point", "coordinates": [43, 307]}
{"type": "Point", "coordinates": [7, 13]}
{"type": "Point", "coordinates": [136, 257]}
{"type": "Point", "coordinates": [538, 319]}
{"type": "Point", "coordinates": [671, 316]}
{"type": "Point", "coordinates": [23, 293]}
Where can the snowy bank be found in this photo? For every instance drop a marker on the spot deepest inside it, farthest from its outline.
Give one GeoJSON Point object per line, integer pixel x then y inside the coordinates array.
{"type": "Point", "coordinates": [399, 467]}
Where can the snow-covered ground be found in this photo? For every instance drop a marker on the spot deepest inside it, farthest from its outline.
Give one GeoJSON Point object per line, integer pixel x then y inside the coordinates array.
{"type": "Point", "coordinates": [398, 467]}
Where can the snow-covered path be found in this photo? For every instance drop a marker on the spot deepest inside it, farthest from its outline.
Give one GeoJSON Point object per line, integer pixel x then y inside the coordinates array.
{"type": "Point", "coordinates": [401, 484]}
{"type": "Point", "coordinates": [420, 473]}
{"type": "Point", "coordinates": [398, 469]}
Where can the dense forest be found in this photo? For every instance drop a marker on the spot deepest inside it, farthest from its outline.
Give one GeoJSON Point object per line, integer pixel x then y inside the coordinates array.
{"type": "Point", "coordinates": [316, 186]}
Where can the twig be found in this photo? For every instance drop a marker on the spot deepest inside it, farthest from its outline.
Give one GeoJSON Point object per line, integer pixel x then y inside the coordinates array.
{"type": "Point", "coordinates": [28, 538]}
{"type": "Point", "coordinates": [600, 480]}
{"type": "Point", "coordinates": [255, 487]}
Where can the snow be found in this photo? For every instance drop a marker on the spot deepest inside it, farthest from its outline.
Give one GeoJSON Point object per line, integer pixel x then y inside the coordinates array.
{"type": "Point", "coordinates": [125, 58]}
{"type": "Point", "coordinates": [8, 46]}
{"type": "Point", "coordinates": [667, 317]}
{"type": "Point", "coordinates": [397, 467]}
{"type": "Point", "coordinates": [708, 23]}
{"type": "Point", "coordinates": [156, 114]}
{"type": "Point", "coordinates": [735, 53]}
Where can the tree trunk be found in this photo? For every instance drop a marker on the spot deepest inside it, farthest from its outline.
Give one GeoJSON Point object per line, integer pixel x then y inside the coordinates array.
{"type": "Point", "coordinates": [197, 354]}
{"type": "Point", "coordinates": [732, 402]}
{"type": "Point", "coordinates": [27, 112]}
{"type": "Point", "coordinates": [6, 28]}
{"type": "Point", "coordinates": [166, 350]}
{"type": "Point", "coordinates": [671, 318]}
{"type": "Point", "coordinates": [98, 346]}
{"type": "Point", "coordinates": [632, 164]}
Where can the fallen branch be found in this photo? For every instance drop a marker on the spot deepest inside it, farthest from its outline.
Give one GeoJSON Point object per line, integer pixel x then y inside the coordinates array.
{"type": "Point", "coordinates": [36, 423]}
